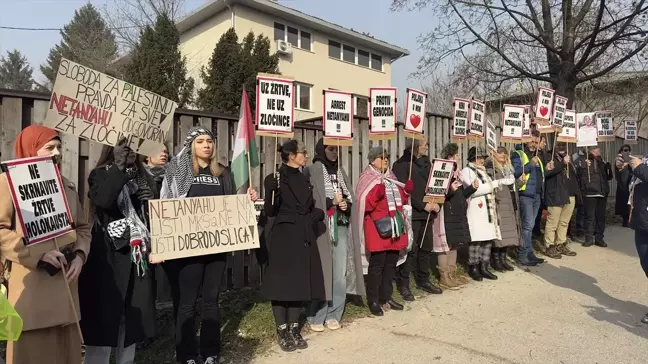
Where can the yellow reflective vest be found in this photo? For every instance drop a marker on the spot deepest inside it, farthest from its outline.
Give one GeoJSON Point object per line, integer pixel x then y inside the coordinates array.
{"type": "Point", "coordinates": [525, 160]}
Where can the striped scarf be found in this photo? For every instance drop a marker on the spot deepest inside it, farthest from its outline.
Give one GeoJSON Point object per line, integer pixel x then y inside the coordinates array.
{"type": "Point", "coordinates": [333, 213]}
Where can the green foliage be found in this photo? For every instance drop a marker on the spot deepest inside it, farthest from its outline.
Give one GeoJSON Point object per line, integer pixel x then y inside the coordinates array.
{"type": "Point", "coordinates": [15, 72]}
{"type": "Point", "coordinates": [234, 65]}
{"type": "Point", "coordinates": [157, 65]}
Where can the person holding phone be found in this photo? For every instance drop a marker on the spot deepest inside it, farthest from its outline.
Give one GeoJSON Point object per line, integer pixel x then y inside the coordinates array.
{"type": "Point", "coordinates": [621, 207]}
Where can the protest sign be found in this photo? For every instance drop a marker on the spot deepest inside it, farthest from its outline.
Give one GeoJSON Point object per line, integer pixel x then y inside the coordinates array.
{"type": "Point", "coordinates": [604, 126]}
{"type": "Point", "coordinates": [415, 113]}
{"type": "Point", "coordinates": [460, 119]}
{"type": "Point", "coordinates": [491, 138]}
{"type": "Point", "coordinates": [275, 108]}
{"type": "Point", "coordinates": [568, 132]}
{"type": "Point", "coordinates": [477, 109]}
{"type": "Point", "coordinates": [586, 131]}
{"type": "Point", "coordinates": [39, 198]}
{"type": "Point", "coordinates": [439, 180]}
{"type": "Point", "coordinates": [101, 108]}
{"type": "Point", "coordinates": [258, 207]}
{"type": "Point", "coordinates": [558, 115]}
{"type": "Point", "coordinates": [202, 225]}
{"type": "Point", "coordinates": [630, 132]}
{"type": "Point", "coordinates": [512, 123]}
{"type": "Point", "coordinates": [543, 106]}
{"type": "Point", "coordinates": [527, 136]}
{"type": "Point", "coordinates": [382, 115]}
{"type": "Point", "coordinates": [338, 118]}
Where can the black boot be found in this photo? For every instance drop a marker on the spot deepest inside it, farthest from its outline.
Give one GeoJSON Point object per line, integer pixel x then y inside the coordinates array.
{"type": "Point", "coordinates": [504, 260]}
{"type": "Point", "coordinates": [375, 308]}
{"type": "Point", "coordinates": [496, 260]}
{"type": "Point", "coordinates": [589, 241]}
{"type": "Point", "coordinates": [483, 270]}
{"type": "Point", "coordinates": [285, 339]}
{"type": "Point", "coordinates": [295, 332]}
{"type": "Point", "coordinates": [473, 272]}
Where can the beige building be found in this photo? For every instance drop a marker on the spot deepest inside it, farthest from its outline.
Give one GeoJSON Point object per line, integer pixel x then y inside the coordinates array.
{"type": "Point", "coordinates": [318, 54]}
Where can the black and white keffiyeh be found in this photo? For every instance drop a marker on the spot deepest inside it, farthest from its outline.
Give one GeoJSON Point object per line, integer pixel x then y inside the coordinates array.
{"type": "Point", "coordinates": [328, 185]}
{"type": "Point", "coordinates": [179, 172]}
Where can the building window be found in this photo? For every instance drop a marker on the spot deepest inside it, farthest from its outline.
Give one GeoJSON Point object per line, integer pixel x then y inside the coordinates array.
{"type": "Point", "coordinates": [363, 58]}
{"type": "Point", "coordinates": [376, 62]}
{"type": "Point", "coordinates": [302, 96]}
{"type": "Point", "coordinates": [350, 54]}
{"type": "Point", "coordinates": [294, 36]}
{"type": "Point", "coordinates": [335, 49]}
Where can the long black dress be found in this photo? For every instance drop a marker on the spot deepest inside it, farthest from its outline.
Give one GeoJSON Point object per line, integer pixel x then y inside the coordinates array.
{"type": "Point", "coordinates": [294, 270]}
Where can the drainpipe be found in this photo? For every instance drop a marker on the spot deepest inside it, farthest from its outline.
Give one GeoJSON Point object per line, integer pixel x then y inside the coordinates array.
{"type": "Point", "coordinates": [233, 20]}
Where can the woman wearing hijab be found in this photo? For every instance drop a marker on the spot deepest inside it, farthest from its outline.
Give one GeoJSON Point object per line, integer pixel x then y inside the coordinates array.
{"type": "Point", "coordinates": [116, 289]}
{"type": "Point", "coordinates": [482, 214]}
{"type": "Point", "coordinates": [195, 172]}
{"type": "Point", "coordinates": [621, 207]}
{"type": "Point", "coordinates": [336, 247]}
{"type": "Point", "coordinates": [380, 200]}
{"type": "Point", "coordinates": [294, 272]}
{"type": "Point", "coordinates": [49, 331]}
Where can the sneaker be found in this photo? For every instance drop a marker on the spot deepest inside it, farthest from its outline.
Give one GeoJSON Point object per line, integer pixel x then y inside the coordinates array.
{"type": "Point", "coordinates": [212, 360]}
{"type": "Point", "coordinates": [317, 327]}
{"type": "Point", "coordinates": [552, 252]}
{"type": "Point", "coordinates": [333, 325]}
{"type": "Point", "coordinates": [564, 250]}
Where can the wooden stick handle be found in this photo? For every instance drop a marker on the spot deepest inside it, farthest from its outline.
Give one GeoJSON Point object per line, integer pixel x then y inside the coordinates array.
{"type": "Point", "coordinates": [411, 160]}
{"type": "Point", "coordinates": [275, 164]}
{"type": "Point", "coordinates": [69, 292]}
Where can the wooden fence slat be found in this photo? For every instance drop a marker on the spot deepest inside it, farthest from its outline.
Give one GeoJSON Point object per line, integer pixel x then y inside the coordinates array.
{"type": "Point", "coordinates": [10, 125]}
{"type": "Point", "coordinates": [356, 163]}
{"type": "Point", "coordinates": [39, 111]}
{"type": "Point", "coordinates": [70, 151]}
{"type": "Point", "coordinates": [223, 136]}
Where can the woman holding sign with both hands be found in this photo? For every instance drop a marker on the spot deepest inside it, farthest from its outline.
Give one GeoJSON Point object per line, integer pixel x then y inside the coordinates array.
{"type": "Point", "coordinates": [50, 333]}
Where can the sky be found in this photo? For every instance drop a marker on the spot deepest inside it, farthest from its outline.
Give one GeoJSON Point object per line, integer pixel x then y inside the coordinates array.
{"type": "Point", "coordinates": [373, 16]}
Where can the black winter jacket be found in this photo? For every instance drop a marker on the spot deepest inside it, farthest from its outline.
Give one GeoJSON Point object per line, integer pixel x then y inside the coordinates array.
{"type": "Point", "coordinates": [639, 215]}
{"type": "Point", "coordinates": [556, 190]}
{"type": "Point", "coordinates": [420, 174]}
{"type": "Point", "coordinates": [455, 215]}
{"type": "Point", "coordinates": [594, 182]}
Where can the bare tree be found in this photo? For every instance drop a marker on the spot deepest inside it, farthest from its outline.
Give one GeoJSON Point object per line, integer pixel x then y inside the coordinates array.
{"type": "Point", "coordinates": [562, 43]}
{"type": "Point", "coordinates": [129, 17]}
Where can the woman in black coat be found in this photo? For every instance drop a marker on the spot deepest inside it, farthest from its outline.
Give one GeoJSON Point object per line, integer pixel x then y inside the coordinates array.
{"type": "Point", "coordinates": [116, 295]}
{"type": "Point", "coordinates": [621, 207]}
{"type": "Point", "coordinates": [294, 272]}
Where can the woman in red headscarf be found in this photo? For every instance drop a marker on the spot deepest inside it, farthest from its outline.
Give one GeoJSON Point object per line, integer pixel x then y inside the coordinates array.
{"type": "Point", "coordinates": [49, 325]}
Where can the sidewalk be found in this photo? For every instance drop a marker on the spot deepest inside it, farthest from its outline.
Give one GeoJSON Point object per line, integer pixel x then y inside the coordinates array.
{"type": "Point", "coordinates": [580, 310]}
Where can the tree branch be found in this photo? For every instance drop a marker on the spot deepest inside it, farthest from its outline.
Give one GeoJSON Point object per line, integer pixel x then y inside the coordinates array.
{"type": "Point", "coordinates": [595, 31]}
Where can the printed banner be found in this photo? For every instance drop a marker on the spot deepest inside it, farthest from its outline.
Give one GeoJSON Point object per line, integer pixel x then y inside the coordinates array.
{"type": "Point", "coordinates": [101, 108]}
{"type": "Point", "coordinates": [491, 137]}
{"type": "Point", "coordinates": [477, 119]}
{"type": "Point", "coordinates": [38, 195]}
{"type": "Point", "coordinates": [275, 105]}
{"type": "Point", "coordinates": [568, 132]}
{"type": "Point", "coordinates": [630, 131]}
{"type": "Point", "coordinates": [558, 115]}
{"type": "Point", "coordinates": [382, 116]}
{"type": "Point", "coordinates": [439, 180]}
{"type": "Point", "coordinates": [604, 126]}
{"type": "Point", "coordinates": [512, 123]}
{"type": "Point", "coordinates": [586, 132]}
{"type": "Point", "coordinates": [195, 226]}
{"type": "Point", "coordinates": [543, 105]}
{"type": "Point", "coordinates": [460, 118]}
{"type": "Point", "coordinates": [338, 114]}
{"type": "Point", "coordinates": [415, 111]}
{"type": "Point", "coordinates": [526, 125]}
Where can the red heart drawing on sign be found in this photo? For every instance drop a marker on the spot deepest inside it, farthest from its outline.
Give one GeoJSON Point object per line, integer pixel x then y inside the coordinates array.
{"type": "Point", "coordinates": [543, 110]}
{"type": "Point", "coordinates": [415, 120]}
{"type": "Point", "coordinates": [480, 204]}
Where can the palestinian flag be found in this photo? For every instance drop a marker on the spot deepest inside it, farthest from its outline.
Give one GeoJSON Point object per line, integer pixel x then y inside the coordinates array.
{"type": "Point", "coordinates": [244, 146]}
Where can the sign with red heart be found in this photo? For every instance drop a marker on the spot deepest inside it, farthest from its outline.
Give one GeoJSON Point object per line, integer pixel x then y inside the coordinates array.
{"type": "Point", "coordinates": [415, 111]}
{"type": "Point", "coordinates": [544, 105]}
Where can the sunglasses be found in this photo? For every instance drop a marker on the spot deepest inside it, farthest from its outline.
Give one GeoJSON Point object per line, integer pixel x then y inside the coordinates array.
{"type": "Point", "coordinates": [625, 150]}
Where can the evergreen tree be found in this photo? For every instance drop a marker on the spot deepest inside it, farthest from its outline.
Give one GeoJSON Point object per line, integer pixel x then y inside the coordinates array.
{"type": "Point", "coordinates": [86, 40]}
{"type": "Point", "coordinates": [234, 65]}
{"type": "Point", "coordinates": [15, 72]}
{"type": "Point", "coordinates": [157, 65]}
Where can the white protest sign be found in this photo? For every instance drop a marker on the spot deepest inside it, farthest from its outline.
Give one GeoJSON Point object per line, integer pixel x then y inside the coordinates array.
{"type": "Point", "coordinates": [477, 119]}
{"type": "Point", "coordinates": [275, 105]}
{"type": "Point", "coordinates": [39, 197]}
{"type": "Point", "coordinates": [604, 126]}
{"type": "Point", "coordinates": [202, 225]}
{"type": "Point", "coordinates": [630, 131]}
{"type": "Point", "coordinates": [415, 111]}
{"type": "Point", "coordinates": [512, 123]}
{"type": "Point", "coordinates": [382, 115]}
{"type": "Point", "coordinates": [338, 114]}
{"type": "Point", "coordinates": [491, 137]}
{"type": "Point", "coordinates": [558, 115]}
{"type": "Point", "coordinates": [97, 107]}
{"type": "Point", "coordinates": [439, 180]}
{"type": "Point", "coordinates": [568, 132]}
{"type": "Point", "coordinates": [543, 105]}
{"type": "Point", "coordinates": [587, 132]}
{"type": "Point", "coordinates": [526, 124]}
{"type": "Point", "coordinates": [460, 118]}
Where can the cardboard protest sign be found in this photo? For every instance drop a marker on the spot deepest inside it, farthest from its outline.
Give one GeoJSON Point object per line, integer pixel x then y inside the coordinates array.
{"type": "Point", "coordinates": [491, 137]}
{"type": "Point", "coordinates": [338, 117]}
{"type": "Point", "coordinates": [527, 136]}
{"type": "Point", "coordinates": [543, 106]}
{"type": "Point", "coordinates": [439, 180]}
{"type": "Point", "coordinates": [558, 115]}
{"type": "Point", "coordinates": [461, 118]}
{"type": "Point", "coordinates": [477, 109]}
{"type": "Point", "coordinates": [202, 225]}
{"type": "Point", "coordinates": [604, 126]}
{"type": "Point", "coordinates": [586, 132]}
{"type": "Point", "coordinates": [39, 198]}
{"type": "Point", "coordinates": [630, 131]}
{"type": "Point", "coordinates": [568, 132]}
{"type": "Point", "coordinates": [415, 113]}
{"type": "Point", "coordinates": [382, 113]}
{"type": "Point", "coordinates": [97, 107]}
{"type": "Point", "coordinates": [275, 108]}
{"type": "Point", "coordinates": [512, 123]}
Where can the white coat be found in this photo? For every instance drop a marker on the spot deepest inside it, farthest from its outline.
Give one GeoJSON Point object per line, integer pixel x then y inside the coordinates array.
{"type": "Point", "coordinates": [480, 228]}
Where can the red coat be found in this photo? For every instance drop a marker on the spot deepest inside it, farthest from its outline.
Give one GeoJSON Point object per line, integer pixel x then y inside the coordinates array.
{"type": "Point", "coordinates": [375, 209]}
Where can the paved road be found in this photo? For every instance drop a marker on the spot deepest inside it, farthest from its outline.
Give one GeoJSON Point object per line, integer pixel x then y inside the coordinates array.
{"type": "Point", "coordinates": [577, 310]}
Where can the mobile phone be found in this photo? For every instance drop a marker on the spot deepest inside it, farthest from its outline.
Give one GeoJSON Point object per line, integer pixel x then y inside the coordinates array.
{"type": "Point", "coordinates": [626, 157]}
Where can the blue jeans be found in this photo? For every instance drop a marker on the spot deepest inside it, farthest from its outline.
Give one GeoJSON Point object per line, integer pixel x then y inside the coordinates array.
{"type": "Point", "coordinates": [322, 311]}
{"type": "Point", "coordinates": [641, 241]}
{"type": "Point", "coordinates": [529, 207]}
